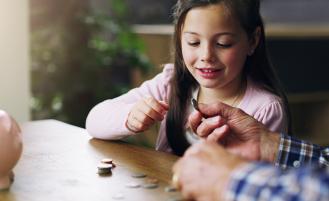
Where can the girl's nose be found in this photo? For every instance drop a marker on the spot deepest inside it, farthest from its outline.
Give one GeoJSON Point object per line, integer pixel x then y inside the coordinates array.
{"type": "Point", "coordinates": [207, 54]}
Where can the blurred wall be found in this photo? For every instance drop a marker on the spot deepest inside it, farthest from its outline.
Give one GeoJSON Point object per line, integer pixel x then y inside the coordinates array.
{"type": "Point", "coordinates": [14, 58]}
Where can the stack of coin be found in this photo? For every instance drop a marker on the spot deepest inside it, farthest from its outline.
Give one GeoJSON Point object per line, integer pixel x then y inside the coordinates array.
{"type": "Point", "coordinates": [105, 166]}
{"type": "Point", "coordinates": [107, 160]}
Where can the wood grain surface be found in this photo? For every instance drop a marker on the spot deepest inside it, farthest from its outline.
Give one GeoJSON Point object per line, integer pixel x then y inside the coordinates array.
{"type": "Point", "coordinates": [59, 163]}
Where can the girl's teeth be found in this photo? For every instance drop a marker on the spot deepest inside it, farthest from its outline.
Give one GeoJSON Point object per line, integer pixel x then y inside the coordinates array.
{"type": "Point", "coordinates": [208, 71]}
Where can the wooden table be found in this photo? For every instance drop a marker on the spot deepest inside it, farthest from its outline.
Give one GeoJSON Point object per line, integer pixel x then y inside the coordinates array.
{"type": "Point", "coordinates": [59, 163]}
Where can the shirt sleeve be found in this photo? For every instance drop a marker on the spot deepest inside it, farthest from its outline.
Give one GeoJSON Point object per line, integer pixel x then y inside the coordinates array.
{"type": "Point", "coordinates": [107, 119]}
{"type": "Point", "coordinates": [295, 153]}
{"type": "Point", "coordinates": [260, 181]}
{"type": "Point", "coordinates": [273, 117]}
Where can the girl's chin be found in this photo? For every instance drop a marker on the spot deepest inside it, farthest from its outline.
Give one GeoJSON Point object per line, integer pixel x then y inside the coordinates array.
{"type": "Point", "coordinates": [209, 85]}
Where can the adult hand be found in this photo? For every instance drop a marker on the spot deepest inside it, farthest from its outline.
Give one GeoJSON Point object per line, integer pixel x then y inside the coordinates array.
{"type": "Point", "coordinates": [204, 171]}
{"type": "Point", "coordinates": [237, 131]}
{"type": "Point", "coordinates": [145, 113]}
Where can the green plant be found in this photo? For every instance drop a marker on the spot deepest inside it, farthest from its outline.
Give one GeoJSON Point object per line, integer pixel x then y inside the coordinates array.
{"type": "Point", "coordinates": [80, 57]}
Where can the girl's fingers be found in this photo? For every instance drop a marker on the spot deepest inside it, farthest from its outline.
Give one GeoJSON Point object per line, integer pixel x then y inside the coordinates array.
{"type": "Point", "coordinates": [194, 120]}
{"type": "Point", "coordinates": [154, 109]}
{"type": "Point", "coordinates": [164, 105]}
{"type": "Point", "coordinates": [131, 125]}
{"type": "Point", "coordinates": [142, 118]}
{"type": "Point", "coordinates": [218, 134]}
{"type": "Point", "coordinates": [136, 125]}
{"type": "Point", "coordinates": [209, 125]}
{"type": "Point", "coordinates": [145, 112]}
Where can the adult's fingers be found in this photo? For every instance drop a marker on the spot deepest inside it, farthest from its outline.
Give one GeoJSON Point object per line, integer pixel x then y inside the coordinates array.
{"type": "Point", "coordinates": [219, 108]}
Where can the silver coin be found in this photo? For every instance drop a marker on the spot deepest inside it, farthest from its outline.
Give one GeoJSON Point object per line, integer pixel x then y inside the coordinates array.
{"type": "Point", "coordinates": [104, 166]}
{"type": "Point", "coordinates": [152, 181]}
{"type": "Point", "coordinates": [195, 104]}
{"type": "Point", "coordinates": [150, 186]}
{"type": "Point", "coordinates": [176, 199]}
{"type": "Point", "coordinates": [133, 185]}
{"type": "Point", "coordinates": [138, 175]}
{"type": "Point", "coordinates": [118, 196]}
{"type": "Point", "coordinates": [170, 189]}
{"type": "Point", "coordinates": [104, 171]}
{"type": "Point", "coordinates": [107, 160]}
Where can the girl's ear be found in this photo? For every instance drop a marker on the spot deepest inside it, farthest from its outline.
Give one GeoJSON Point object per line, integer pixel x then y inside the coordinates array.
{"type": "Point", "coordinates": [254, 40]}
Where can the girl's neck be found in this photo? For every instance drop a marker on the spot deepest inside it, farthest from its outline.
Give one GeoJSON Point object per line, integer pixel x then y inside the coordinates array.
{"type": "Point", "coordinates": [231, 94]}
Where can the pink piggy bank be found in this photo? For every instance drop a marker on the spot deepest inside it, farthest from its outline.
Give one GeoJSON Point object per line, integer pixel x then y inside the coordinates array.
{"type": "Point", "coordinates": [10, 148]}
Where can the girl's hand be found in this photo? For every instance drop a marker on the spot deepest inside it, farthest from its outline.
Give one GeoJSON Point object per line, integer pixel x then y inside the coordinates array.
{"type": "Point", "coordinates": [145, 113]}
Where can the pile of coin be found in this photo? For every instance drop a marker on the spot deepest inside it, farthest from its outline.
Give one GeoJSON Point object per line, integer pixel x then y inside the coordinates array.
{"type": "Point", "coordinates": [140, 180]}
{"type": "Point", "coordinates": [149, 183]}
{"type": "Point", "coordinates": [105, 166]}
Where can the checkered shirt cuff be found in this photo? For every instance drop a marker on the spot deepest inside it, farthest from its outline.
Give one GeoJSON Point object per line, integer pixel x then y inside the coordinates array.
{"type": "Point", "coordinates": [295, 153]}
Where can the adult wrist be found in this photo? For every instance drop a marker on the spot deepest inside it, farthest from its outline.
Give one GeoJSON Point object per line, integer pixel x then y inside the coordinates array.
{"type": "Point", "coordinates": [269, 146]}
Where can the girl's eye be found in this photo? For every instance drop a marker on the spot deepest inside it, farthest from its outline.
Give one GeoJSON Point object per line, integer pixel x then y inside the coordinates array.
{"type": "Point", "coordinates": [222, 45]}
{"type": "Point", "coordinates": [193, 43]}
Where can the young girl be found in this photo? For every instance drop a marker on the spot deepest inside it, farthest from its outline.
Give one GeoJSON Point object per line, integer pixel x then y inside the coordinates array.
{"type": "Point", "coordinates": [220, 55]}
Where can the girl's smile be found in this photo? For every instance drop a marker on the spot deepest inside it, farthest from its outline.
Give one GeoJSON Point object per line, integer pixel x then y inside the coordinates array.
{"type": "Point", "coordinates": [209, 73]}
{"type": "Point", "coordinates": [214, 48]}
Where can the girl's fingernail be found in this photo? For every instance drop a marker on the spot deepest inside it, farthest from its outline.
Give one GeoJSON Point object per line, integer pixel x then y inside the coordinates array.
{"type": "Point", "coordinates": [213, 120]}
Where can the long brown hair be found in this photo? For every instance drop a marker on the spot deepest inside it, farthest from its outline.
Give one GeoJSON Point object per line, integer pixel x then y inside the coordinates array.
{"type": "Point", "coordinates": [257, 66]}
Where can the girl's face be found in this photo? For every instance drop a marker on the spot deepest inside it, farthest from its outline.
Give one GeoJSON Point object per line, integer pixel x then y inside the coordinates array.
{"type": "Point", "coordinates": [214, 46]}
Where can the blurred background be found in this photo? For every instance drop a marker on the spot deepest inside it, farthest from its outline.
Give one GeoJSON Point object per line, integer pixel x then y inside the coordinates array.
{"type": "Point", "coordinates": [60, 58]}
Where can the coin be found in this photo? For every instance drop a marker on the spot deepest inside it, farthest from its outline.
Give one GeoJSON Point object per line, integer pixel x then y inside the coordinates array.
{"type": "Point", "coordinates": [118, 196]}
{"type": "Point", "coordinates": [138, 175]}
{"type": "Point", "coordinates": [152, 180]}
{"type": "Point", "coordinates": [170, 189]}
{"type": "Point", "coordinates": [175, 199]}
{"type": "Point", "coordinates": [104, 171]}
{"type": "Point", "coordinates": [133, 185]}
{"type": "Point", "coordinates": [104, 168]}
{"type": "Point", "coordinates": [195, 104]}
{"type": "Point", "coordinates": [150, 185]}
{"type": "Point", "coordinates": [107, 160]}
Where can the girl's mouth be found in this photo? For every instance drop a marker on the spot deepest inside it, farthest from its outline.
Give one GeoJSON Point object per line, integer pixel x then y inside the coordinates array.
{"type": "Point", "coordinates": [209, 73]}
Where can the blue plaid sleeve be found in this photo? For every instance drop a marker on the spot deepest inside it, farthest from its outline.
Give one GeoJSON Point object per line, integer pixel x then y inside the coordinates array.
{"type": "Point", "coordinates": [296, 153]}
{"type": "Point", "coordinates": [260, 181]}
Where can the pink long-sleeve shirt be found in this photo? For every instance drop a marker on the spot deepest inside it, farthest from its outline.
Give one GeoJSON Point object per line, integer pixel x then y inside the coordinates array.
{"type": "Point", "coordinates": [107, 119]}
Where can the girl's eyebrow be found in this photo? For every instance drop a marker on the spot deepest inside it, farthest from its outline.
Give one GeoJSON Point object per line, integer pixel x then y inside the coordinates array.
{"type": "Point", "coordinates": [217, 34]}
